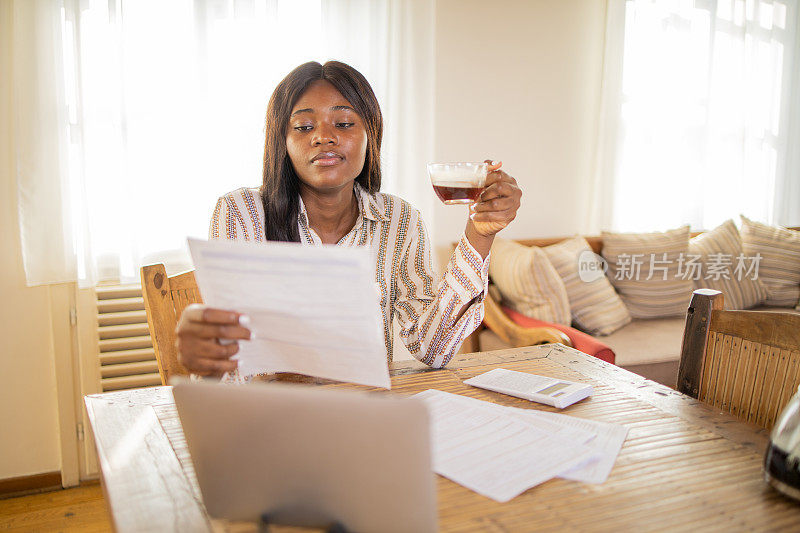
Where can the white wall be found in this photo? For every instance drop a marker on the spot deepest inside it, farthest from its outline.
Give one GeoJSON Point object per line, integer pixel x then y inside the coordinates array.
{"type": "Point", "coordinates": [29, 438]}
{"type": "Point", "coordinates": [520, 81]}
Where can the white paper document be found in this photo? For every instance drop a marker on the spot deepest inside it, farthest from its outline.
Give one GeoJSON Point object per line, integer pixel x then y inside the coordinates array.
{"type": "Point", "coordinates": [609, 437]}
{"type": "Point", "coordinates": [495, 451]}
{"type": "Point", "coordinates": [606, 445]}
{"type": "Point", "coordinates": [566, 431]}
{"type": "Point", "coordinates": [314, 310]}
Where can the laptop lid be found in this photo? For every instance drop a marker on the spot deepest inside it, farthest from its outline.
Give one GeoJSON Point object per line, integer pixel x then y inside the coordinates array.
{"type": "Point", "coordinates": [310, 457]}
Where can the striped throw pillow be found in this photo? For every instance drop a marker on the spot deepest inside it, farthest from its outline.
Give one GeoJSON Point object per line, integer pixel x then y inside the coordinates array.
{"type": "Point", "coordinates": [596, 308]}
{"type": "Point", "coordinates": [779, 269]}
{"type": "Point", "coordinates": [726, 267]}
{"type": "Point", "coordinates": [645, 269]}
{"type": "Point", "coordinates": [528, 282]}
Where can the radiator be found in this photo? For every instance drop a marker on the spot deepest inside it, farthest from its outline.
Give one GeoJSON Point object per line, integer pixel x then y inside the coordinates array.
{"type": "Point", "coordinates": [127, 359]}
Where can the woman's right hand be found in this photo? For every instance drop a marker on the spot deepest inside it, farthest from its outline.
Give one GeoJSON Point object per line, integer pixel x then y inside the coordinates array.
{"type": "Point", "coordinates": [206, 339]}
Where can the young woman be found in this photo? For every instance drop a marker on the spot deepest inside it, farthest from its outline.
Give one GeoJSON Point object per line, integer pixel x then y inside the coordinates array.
{"type": "Point", "coordinates": [321, 185]}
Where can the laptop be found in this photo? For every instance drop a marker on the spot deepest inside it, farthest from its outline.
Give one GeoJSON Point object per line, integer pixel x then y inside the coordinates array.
{"type": "Point", "coordinates": [310, 457]}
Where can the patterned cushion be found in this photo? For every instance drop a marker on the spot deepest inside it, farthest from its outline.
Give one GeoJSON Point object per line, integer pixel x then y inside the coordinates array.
{"type": "Point", "coordinates": [726, 267]}
{"type": "Point", "coordinates": [646, 270]}
{"type": "Point", "coordinates": [779, 269]}
{"type": "Point", "coordinates": [529, 283]}
{"type": "Point", "coordinates": [596, 308]}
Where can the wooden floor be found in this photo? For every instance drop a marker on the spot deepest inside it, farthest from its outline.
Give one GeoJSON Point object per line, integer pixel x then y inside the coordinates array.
{"type": "Point", "coordinates": [79, 509]}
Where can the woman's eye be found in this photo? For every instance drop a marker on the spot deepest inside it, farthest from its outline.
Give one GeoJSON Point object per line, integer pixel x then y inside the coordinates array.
{"type": "Point", "coordinates": [345, 125]}
{"type": "Point", "coordinates": [303, 128]}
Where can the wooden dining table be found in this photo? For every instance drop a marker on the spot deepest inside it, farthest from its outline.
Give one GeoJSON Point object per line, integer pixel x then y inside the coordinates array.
{"type": "Point", "coordinates": [683, 466]}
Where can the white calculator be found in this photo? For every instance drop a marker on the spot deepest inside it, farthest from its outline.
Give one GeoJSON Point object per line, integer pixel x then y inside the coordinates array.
{"type": "Point", "coordinates": [550, 391]}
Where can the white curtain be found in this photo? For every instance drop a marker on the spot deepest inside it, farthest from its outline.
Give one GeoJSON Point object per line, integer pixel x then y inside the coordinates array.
{"type": "Point", "coordinates": [151, 110]}
{"type": "Point", "coordinates": [701, 114]}
{"type": "Point", "coordinates": [41, 142]}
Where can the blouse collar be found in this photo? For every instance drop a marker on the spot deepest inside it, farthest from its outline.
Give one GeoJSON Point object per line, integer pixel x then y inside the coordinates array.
{"type": "Point", "coordinates": [370, 206]}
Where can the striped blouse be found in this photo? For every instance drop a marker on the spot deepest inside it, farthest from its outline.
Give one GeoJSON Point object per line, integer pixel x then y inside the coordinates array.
{"type": "Point", "coordinates": [399, 241]}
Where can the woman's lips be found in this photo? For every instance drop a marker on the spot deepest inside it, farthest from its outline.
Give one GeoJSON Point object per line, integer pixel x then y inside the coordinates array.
{"type": "Point", "coordinates": [326, 159]}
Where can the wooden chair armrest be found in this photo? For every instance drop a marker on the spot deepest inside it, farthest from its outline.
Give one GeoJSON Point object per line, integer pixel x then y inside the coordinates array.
{"type": "Point", "coordinates": [514, 334]}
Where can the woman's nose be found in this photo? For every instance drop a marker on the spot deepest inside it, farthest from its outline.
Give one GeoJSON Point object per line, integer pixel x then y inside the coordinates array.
{"type": "Point", "coordinates": [325, 134]}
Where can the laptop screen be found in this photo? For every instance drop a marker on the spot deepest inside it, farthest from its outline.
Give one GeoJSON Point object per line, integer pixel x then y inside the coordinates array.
{"type": "Point", "coordinates": [310, 457]}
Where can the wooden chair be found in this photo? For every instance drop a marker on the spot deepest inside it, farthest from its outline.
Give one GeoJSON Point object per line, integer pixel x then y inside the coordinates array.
{"type": "Point", "coordinates": [744, 362]}
{"type": "Point", "coordinates": [165, 298]}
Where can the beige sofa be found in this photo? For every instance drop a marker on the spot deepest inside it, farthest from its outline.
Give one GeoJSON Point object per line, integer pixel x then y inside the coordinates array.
{"type": "Point", "coordinates": [650, 348]}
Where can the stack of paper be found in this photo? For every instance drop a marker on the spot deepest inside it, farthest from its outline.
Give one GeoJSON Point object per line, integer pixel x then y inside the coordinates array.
{"type": "Point", "coordinates": [606, 444]}
{"type": "Point", "coordinates": [502, 451]}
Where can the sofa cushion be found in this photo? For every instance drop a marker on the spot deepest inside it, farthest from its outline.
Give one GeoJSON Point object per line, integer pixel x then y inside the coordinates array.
{"type": "Point", "coordinates": [725, 267]}
{"type": "Point", "coordinates": [644, 268]}
{"type": "Point", "coordinates": [646, 341]}
{"type": "Point", "coordinates": [528, 282]}
{"type": "Point", "coordinates": [779, 269]}
{"type": "Point", "coordinates": [595, 307]}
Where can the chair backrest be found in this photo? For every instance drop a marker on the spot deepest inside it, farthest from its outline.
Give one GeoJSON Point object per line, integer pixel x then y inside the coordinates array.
{"type": "Point", "coordinates": [746, 363]}
{"type": "Point", "coordinates": [165, 298]}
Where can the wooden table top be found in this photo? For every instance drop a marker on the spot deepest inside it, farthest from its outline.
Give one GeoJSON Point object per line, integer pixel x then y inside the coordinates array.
{"type": "Point", "coordinates": [683, 466]}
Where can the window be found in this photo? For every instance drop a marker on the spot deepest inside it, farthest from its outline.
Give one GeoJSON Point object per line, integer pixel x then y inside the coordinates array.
{"type": "Point", "coordinates": [709, 107]}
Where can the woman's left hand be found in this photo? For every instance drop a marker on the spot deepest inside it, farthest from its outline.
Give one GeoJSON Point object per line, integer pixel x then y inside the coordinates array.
{"type": "Point", "coordinates": [498, 203]}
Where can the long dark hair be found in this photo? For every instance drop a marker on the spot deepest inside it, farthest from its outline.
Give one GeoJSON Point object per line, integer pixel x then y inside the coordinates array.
{"type": "Point", "coordinates": [280, 187]}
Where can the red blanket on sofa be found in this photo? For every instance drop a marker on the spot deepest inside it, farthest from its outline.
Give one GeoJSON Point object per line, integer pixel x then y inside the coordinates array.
{"type": "Point", "coordinates": [580, 340]}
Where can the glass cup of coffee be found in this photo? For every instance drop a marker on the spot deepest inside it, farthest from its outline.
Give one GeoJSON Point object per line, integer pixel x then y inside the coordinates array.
{"type": "Point", "coordinates": [458, 183]}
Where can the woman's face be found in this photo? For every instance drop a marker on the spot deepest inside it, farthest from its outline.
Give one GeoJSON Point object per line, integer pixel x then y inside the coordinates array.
{"type": "Point", "coordinates": [326, 139]}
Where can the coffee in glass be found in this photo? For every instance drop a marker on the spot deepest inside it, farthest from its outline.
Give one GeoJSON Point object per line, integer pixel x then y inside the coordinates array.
{"type": "Point", "coordinates": [458, 183]}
